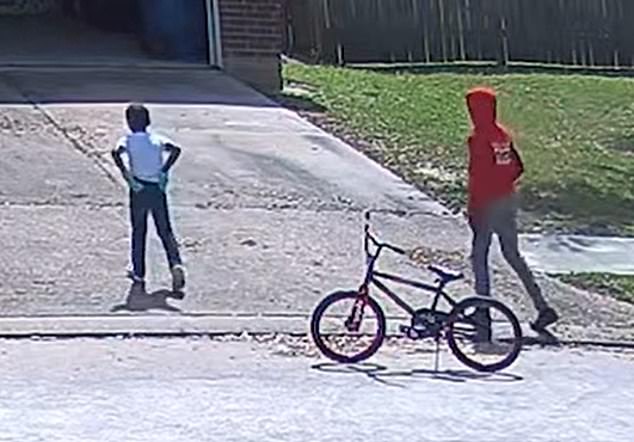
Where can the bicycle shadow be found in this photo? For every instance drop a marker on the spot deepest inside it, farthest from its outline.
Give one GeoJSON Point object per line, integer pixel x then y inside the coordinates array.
{"type": "Point", "coordinates": [386, 376]}
{"type": "Point", "coordinates": [139, 300]}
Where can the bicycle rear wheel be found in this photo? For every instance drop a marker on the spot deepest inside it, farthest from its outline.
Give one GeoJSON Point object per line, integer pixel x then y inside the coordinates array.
{"type": "Point", "coordinates": [348, 328]}
{"type": "Point", "coordinates": [484, 334]}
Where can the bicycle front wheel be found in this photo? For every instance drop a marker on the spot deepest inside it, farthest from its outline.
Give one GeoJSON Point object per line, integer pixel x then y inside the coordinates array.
{"type": "Point", "coordinates": [348, 328]}
{"type": "Point", "coordinates": [484, 334]}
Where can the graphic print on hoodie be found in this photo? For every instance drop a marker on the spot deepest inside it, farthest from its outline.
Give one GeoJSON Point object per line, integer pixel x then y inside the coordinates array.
{"type": "Point", "coordinates": [494, 163]}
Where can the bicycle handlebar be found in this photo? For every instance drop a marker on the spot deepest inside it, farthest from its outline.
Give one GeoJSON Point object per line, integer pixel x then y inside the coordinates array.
{"type": "Point", "coordinates": [368, 213]}
{"type": "Point", "coordinates": [395, 249]}
{"type": "Point", "coordinates": [369, 238]}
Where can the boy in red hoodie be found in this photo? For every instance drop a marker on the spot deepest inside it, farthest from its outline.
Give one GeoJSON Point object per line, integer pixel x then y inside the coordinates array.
{"type": "Point", "coordinates": [495, 167]}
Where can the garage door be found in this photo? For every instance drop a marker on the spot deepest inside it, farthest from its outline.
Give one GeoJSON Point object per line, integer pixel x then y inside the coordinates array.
{"type": "Point", "coordinates": [107, 31]}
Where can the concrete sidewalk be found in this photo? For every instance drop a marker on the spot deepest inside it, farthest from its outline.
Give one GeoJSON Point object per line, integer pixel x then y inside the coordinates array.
{"type": "Point", "coordinates": [267, 206]}
{"type": "Point", "coordinates": [142, 390]}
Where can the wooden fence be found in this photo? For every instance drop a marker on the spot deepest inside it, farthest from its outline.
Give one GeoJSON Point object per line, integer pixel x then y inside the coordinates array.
{"type": "Point", "coordinates": [569, 32]}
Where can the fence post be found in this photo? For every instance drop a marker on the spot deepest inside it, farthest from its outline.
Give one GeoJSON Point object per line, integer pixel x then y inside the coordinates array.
{"type": "Point", "coordinates": [503, 44]}
{"type": "Point", "coordinates": [329, 49]}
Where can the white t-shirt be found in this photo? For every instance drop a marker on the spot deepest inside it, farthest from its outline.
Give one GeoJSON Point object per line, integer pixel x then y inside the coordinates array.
{"type": "Point", "coordinates": [145, 152]}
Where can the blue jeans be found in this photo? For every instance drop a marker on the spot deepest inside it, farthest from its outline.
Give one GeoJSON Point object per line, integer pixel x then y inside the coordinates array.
{"type": "Point", "coordinates": [151, 200]}
{"type": "Point", "coordinates": [500, 218]}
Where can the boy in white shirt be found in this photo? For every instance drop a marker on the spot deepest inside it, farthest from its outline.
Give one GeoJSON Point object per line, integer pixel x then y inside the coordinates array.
{"type": "Point", "coordinates": [146, 176]}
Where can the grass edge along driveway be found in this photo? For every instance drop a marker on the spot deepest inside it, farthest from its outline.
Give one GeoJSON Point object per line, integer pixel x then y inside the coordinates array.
{"type": "Point", "coordinates": [576, 134]}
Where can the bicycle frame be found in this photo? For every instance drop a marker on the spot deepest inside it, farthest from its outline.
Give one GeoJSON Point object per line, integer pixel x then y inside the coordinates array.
{"type": "Point", "coordinates": [374, 277]}
{"type": "Point", "coordinates": [469, 320]}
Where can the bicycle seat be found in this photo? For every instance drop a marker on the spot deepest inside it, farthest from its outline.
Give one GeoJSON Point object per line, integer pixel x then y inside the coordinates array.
{"type": "Point", "coordinates": [445, 274]}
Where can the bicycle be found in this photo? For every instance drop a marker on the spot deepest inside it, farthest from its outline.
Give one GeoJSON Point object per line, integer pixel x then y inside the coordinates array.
{"type": "Point", "coordinates": [467, 327]}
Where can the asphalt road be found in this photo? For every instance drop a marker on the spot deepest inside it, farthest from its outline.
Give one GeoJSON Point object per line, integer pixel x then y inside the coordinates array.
{"type": "Point", "coordinates": [201, 390]}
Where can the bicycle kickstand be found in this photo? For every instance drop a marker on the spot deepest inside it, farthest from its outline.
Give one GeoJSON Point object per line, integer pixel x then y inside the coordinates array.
{"type": "Point", "coordinates": [436, 361]}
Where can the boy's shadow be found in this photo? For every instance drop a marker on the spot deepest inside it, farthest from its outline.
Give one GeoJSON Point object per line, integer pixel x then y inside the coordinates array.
{"type": "Point", "coordinates": [139, 300]}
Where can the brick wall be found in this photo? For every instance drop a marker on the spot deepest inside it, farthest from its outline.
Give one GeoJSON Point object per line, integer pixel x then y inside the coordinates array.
{"type": "Point", "coordinates": [252, 37]}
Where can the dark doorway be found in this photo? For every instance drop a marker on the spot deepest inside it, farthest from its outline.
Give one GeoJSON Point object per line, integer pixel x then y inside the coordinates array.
{"type": "Point", "coordinates": [67, 32]}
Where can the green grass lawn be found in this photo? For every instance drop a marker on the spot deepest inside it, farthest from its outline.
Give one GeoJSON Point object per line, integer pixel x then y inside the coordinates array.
{"type": "Point", "coordinates": [620, 287]}
{"type": "Point", "coordinates": [576, 134]}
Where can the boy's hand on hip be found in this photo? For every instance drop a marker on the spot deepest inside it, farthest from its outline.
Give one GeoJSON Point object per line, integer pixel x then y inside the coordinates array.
{"type": "Point", "coordinates": [134, 185]}
{"type": "Point", "coordinates": [163, 180]}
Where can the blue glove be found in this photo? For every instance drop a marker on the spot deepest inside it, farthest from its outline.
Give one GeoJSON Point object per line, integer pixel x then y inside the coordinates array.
{"type": "Point", "coordinates": [163, 180]}
{"type": "Point", "coordinates": [134, 184]}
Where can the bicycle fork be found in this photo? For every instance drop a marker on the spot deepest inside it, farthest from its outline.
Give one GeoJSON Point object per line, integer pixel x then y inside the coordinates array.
{"type": "Point", "coordinates": [353, 323]}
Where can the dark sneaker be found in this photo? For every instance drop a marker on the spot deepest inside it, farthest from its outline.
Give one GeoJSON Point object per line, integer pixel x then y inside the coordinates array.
{"type": "Point", "coordinates": [178, 278]}
{"type": "Point", "coordinates": [138, 289]}
{"type": "Point", "coordinates": [136, 279]}
{"type": "Point", "coordinates": [545, 318]}
{"type": "Point", "coordinates": [482, 322]}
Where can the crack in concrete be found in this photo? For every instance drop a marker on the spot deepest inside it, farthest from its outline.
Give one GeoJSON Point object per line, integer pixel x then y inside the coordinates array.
{"type": "Point", "coordinates": [210, 206]}
{"type": "Point", "coordinates": [88, 152]}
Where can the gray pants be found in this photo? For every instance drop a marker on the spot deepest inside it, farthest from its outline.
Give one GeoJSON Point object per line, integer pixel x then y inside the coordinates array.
{"type": "Point", "coordinates": [501, 218]}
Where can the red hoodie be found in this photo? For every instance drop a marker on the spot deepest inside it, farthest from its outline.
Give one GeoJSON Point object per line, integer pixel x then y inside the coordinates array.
{"type": "Point", "coordinates": [494, 163]}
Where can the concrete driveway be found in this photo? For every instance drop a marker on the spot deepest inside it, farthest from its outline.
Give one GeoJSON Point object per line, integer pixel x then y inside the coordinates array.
{"type": "Point", "coordinates": [268, 207]}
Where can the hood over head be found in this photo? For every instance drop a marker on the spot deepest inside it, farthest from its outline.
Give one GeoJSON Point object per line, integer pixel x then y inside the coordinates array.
{"type": "Point", "coordinates": [482, 104]}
